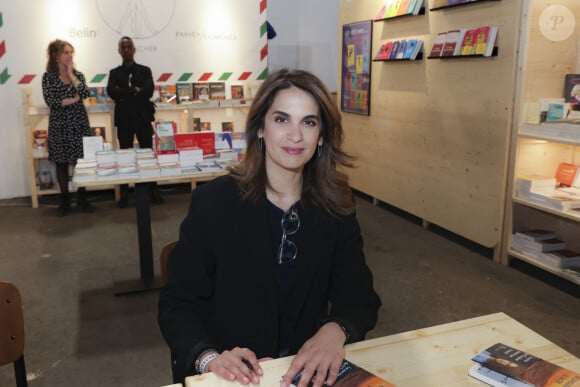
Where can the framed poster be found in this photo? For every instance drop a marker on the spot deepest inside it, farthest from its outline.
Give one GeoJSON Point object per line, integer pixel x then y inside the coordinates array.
{"type": "Point", "coordinates": [355, 96]}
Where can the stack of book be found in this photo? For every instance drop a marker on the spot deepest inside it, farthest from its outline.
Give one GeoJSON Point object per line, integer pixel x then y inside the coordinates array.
{"type": "Point", "coordinates": [534, 242]}
{"type": "Point", "coordinates": [106, 165]}
{"type": "Point", "coordinates": [189, 157]}
{"type": "Point", "coordinates": [502, 365]}
{"type": "Point", "coordinates": [85, 170]}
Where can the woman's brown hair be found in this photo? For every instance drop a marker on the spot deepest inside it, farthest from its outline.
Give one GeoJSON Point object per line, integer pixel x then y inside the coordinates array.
{"type": "Point", "coordinates": [323, 182]}
{"type": "Point", "coordinates": [55, 48]}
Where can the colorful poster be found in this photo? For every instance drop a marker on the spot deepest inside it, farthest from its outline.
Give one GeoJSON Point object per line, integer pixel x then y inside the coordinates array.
{"type": "Point", "coordinates": [356, 69]}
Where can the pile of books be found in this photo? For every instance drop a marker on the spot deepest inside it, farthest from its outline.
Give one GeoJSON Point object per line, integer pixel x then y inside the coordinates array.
{"type": "Point", "coordinates": [546, 247]}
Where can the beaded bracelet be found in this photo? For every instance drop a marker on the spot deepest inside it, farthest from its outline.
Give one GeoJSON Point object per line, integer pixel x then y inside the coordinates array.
{"type": "Point", "coordinates": [205, 362]}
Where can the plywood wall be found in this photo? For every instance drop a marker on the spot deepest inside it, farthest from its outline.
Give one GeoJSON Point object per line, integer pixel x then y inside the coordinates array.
{"type": "Point", "coordinates": [437, 141]}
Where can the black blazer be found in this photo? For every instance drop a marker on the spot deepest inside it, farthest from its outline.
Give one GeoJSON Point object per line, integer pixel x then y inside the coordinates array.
{"type": "Point", "coordinates": [222, 289]}
{"type": "Point", "coordinates": [132, 109]}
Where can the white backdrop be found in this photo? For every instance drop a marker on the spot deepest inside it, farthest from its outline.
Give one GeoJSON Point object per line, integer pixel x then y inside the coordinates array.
{"type": "Point", "coordinates": [181, 40]}
{"type": "Point", "coordinates": [307, 38]}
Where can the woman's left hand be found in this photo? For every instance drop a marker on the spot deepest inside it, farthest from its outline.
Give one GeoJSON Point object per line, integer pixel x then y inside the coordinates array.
{"type": "Point", "coordinates": [319, 359]}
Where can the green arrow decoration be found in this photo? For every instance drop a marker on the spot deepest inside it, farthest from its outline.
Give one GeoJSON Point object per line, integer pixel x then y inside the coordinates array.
{"type": "Point", "coordinates": [4, 76]}
{"type": "Point", "coordinates": [1, 20]}
{"type": "Point", "coordinates": [184, 77]}
{"type": "Point", "coordinates": [225, 76]}
{"type": "Point", "coordinates": [98, 78]}
{"type": "Point", "coordinates": [263, 75]}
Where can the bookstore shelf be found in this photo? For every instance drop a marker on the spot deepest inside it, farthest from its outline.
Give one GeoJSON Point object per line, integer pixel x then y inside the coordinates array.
{"type": "Point", "coordinates": [36, 117]}
{"type": "Point", "coordinates": [460, 4]}
{"type": "Point", "coordinates": [562, 132]}
{"type": "Point", "coordinates": [493, 54]}
{"type": "Point", "coordinates": [539, 149]}
{"type": "Point", "coordinates": [575, 278]}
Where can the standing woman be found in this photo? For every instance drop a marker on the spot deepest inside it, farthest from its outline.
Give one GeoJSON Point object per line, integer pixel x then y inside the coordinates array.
{"type": "Point", "coordinates": [64, 89]}
{"type": "Point", "coordinates": [270, 258]}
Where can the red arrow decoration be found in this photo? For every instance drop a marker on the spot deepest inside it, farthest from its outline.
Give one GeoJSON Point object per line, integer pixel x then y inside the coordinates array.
{"type": "Point", "coordinates": [244, 76]}
{"type": "Point", "coordinates": [2, 48]}
{"type": "Point", "coordinates": [205, 77]}
{"type": "Point", "coordinates": [26, 79]}
{"type": "Point", "coordinates": [164, 77]}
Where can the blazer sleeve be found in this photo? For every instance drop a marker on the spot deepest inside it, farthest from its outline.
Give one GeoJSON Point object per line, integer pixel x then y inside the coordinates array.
{"type": "Point", "coordinates": [186, 300]}
{"type": "Point", "coordinates": [354, 302]}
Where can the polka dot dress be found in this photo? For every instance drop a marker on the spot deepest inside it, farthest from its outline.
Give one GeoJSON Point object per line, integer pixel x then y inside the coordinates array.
{"type": "Point", "coordinates": [66, 124]}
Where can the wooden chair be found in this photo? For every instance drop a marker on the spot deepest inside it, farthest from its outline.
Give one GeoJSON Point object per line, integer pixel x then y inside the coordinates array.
{"type": "Point", "coordinates": [163, 260]}
{"type": "Point", "coordinates": [12, 331]}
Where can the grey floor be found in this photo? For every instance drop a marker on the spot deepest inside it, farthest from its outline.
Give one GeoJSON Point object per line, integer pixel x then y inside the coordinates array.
{"type": "Point", "coordinates": [79, 334]}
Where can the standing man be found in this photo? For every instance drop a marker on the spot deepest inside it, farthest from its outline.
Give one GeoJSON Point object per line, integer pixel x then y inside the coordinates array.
{"type": "Point", "coordinates": [131, 85]}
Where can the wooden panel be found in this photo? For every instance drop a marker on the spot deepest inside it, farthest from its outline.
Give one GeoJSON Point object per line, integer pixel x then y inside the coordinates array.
{"type": "Point", "coordinates": [437, 141]}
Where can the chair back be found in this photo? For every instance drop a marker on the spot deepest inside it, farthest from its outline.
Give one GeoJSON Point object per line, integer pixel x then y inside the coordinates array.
{"type": "Point", "coordinates": [163, 260]}
{"type": "Point", "coordinates": [11, 324]}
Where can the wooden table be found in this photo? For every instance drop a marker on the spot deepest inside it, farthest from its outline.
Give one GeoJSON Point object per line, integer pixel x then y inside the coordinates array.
{"type": "Point", "coordinates": [435, 356]}
{"type": "Point", "coordinates": [148, 281]}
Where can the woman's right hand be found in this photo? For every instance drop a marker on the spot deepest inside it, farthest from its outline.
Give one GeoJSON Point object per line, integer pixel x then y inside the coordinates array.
{"type": "Point", "coordinates": [238, 364]}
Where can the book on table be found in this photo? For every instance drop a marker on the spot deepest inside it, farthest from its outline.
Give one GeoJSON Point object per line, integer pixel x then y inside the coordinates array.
{"type": "Point", "coordinates": [502, 365]}
{"type": "Point", "coordinates": [567, 174]}
{"type": "Point", "coordinates": [352, 375]}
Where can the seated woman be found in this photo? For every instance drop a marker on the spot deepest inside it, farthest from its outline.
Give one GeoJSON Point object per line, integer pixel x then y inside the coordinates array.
{"type": "Point", "coordinates": [270, 258]}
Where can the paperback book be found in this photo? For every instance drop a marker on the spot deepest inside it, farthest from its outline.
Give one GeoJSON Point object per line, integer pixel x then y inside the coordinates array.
{"type": "Point", "coordinates": [513, 367]}
{"type": "Point", "coordinates": [351, 375]}
{"type": "Point", "coordinates": [572, 88]}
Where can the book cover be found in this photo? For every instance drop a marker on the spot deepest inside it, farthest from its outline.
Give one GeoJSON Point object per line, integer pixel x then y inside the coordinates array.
{"type": "Point", "coordinates": [394, 8]}
{"type": "Point", "coordinates": [394, 49]}
{"type": "Point", "coordinates": [388, 48]}
{"type": "Point", "coordinates": [237, 91]}
{"type": "Point", "coordinates": [203, 140]}
{"type": "Point", "coordinates": [535, 235]}
{"type": "Point", "coordinates": [351, 375]}
{"type": "Point", "coordinates": [401, 49]}
{"type": "Point", "coordinates": [40, 140]}
{"type": "Point", "coordinates": [452, 43]}
{"type": "Point", "coordinates": [524, 367]}
{"type": "Point", "coordinates": [382, 51]}
{"type": "Point", "coordinates": [485, 40]}
{"type": "Point", "coordinates": [168, 94]}
{"type": "Point", "coordinates": [572, 88]}
{"type": "Point", "coordinates": [410, 50]}
{"type": "Point", "coordinates": [184, 92]}
{"type": "Point", "coordinates": [566, 173]}
{"type": "Point", "coordinates": [468, 43]}
{"type": "Point", "coordinates": [227, 126]}
{"type": "Point", "coordinates": [415, 7]}
{"type": "Point", "coordinates": [165, 136]}
{"type": "Point", "coordinates": [195, 124]}
{"type": "Point", "coordinates": [201, 91]}
{"type": "Point", "coordinates": [217, 90]}
{"type": "Point", "coordinates": [404, 7]}
{"type": "Point", "coordinates": [205, 126]}
{"type": "Point", "coordinates": [381, 14]}
{"type": "Point", "coordinates": [560, 259]}
{"type": "Point", "coordinates": [99, 131]}
{"type": "Point", "coordinates": [438, 44]}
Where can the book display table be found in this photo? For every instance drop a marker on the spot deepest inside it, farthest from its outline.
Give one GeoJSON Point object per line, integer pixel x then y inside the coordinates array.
{"type": "Point", "coordinates": [435, 356]}
{"type": "Point", "coordinates": [147, 280]}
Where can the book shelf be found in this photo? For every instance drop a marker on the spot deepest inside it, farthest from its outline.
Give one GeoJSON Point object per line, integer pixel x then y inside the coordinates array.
{"type": "Point", "coordinates": [538, 149]}
{"type": "Point", "coordinates": [460, 4]}
{"type": "Point", "coordinates": [493, 53]}
{"type": "Point", "coordinates": [36, 117]}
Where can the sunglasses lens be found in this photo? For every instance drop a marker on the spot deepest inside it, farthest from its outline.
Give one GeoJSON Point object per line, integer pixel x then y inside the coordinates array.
{"type": "Point", "coordinates": [290, 223]}
{"type": "Point", "coordinates": [287, 251]}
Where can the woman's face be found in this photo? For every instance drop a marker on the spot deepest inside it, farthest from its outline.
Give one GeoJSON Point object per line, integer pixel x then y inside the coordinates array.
{"type": "Point", "coordinates": [291, 131]}
{"type": "Point", "coordinates": [66, 56]}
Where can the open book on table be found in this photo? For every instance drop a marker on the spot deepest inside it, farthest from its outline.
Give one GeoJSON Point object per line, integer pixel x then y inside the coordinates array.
{"type": "Point", "coordinates": [502, 365]}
